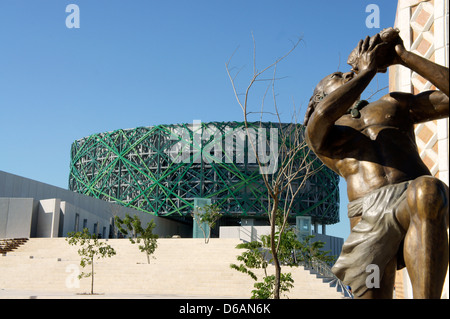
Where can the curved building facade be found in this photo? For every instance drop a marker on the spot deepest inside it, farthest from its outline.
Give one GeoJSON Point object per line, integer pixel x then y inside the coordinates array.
{"type": "Point", "coordinates": [163, 169]}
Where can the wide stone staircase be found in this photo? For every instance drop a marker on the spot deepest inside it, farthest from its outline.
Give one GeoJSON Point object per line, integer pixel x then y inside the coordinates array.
{"type": "Point", "coordinates": [9, 244]}
{"type": "Point", "coordinates": [182, 268]}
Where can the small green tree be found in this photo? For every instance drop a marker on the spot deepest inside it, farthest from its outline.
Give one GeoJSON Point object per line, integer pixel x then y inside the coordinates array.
{"type": "Point", "coordinates": [139, 233]}
{"type": "Point", "coordinates": [308, 251]}
{"type": "Point", "coordinates": [210, 216]}
{"type": "Point", "coordinates": [91, 248]}
{"type": "Point", "coordinates": [291, 253]}
{"type": "Point", "coordinates": [266, 289]}
{"type": "Point", "coordinates": [257, 256]}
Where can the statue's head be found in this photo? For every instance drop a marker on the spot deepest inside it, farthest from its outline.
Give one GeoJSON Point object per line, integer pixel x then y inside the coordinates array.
{"type": "Point", "coordinates": [327, 85]}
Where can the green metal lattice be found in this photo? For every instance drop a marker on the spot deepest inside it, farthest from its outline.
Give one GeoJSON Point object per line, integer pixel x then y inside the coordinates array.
{"type": "Point", "coordinates": [161, 169]}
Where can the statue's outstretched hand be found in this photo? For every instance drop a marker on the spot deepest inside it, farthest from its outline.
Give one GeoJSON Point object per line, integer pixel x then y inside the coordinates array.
{"type": "Point", "coordinates": [368, 52]}
{"type": "Point", "coordinates": [386, 44]}
{"type": "Point", "coordinates": [394, 50]}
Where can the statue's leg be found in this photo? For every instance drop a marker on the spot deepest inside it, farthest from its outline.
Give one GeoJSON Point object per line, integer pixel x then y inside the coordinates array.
{"type": "Point", "coordinates": [424, 216]}
{"type": "Point", "coordinates": [386, 289]}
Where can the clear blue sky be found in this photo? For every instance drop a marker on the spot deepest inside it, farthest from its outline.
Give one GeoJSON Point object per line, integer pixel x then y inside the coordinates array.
{"type": "Point", "coordinates": [146, 62]}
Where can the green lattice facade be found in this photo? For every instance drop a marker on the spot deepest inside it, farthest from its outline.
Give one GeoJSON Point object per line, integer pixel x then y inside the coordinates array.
{"type": "Point", "coordinates": [161, 169]}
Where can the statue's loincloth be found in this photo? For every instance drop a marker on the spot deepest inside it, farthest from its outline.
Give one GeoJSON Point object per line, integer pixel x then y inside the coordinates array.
{"type": "Point", "coordinates": [375, 240]}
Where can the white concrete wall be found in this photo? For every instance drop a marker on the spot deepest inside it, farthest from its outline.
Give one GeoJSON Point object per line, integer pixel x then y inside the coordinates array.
{"type": "Point", "coordinates": [70, 212]}
{"type": "Point", "coordinates": [48, 218]}
{"type": "Point", "coordinates": [245, 233]}
{"type": "Point", "coordinates": [16, 217]}
{"type": "Point", "coordinates": [56, 210]}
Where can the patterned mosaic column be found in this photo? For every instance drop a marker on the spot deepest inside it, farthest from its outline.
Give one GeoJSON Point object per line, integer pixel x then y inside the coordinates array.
{"type": "Point", "coordinates": [427, 24]}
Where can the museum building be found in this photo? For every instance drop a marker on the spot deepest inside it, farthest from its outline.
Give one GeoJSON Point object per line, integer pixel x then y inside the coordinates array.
{"type": "Point", "coordinates": [164, 173]}
{"type": "Point", "coordinates": [168, 170]}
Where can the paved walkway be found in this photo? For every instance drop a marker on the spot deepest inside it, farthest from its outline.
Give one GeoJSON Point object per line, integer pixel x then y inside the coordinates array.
{"type": "Point", "coordinates": [23, 294]}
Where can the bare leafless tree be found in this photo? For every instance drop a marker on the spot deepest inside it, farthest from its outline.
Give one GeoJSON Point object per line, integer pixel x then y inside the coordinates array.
{"type": "Point", "coordinates": [295, 160]}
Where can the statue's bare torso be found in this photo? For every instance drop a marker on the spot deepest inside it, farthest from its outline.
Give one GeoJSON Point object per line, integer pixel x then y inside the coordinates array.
{"type": "Point", "coordinates": [376, 149]}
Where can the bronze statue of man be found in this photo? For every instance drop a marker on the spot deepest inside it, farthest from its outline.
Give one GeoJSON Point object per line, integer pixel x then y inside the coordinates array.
{"type": "Point", "coordinates": [398, 212]}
